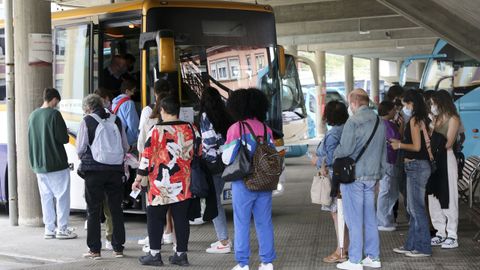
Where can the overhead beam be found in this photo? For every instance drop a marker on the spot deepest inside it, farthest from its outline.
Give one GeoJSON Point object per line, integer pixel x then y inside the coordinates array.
{"type": "Point", "coordinates": [373, 45]}
{"type": "Point", "coordinates": [347, 25]}
{"type": "Point", "coordinates": [391, 55]}
{"type": "Point", "coordinates": [442, 21]}
{"type": "Point", "coordinates": [351, 37]}
{"type": "Point", "coordinates": [382, 51]}
{"type": "Point", "coordinates": [332, 10]}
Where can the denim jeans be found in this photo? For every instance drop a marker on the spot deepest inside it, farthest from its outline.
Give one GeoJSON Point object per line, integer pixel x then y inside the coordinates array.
{"type": "Point", "coordinates": [418, 172]}
{"type": "Point", "coordinates": [359, 210]}
{"type": "Point", "coordinates": [54, 189]}
{"type": "Point", "coordinates": [220, 222]}
{"type": "Point", "coordinates": [245, 203]}
{"type": "Point", "coordinates": [387, 196]}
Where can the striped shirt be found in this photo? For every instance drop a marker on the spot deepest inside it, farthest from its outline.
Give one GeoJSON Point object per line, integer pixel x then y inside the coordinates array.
{"type": "Point", "coordinates": [211, 140]}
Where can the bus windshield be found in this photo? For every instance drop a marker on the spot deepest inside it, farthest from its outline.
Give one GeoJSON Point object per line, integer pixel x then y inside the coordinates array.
{"type": "Point", "coordinates": [228, 68]}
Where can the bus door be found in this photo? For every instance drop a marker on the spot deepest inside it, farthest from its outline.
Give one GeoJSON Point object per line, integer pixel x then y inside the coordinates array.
{"type": "Point", "coordinates": [294, 113]}
{"type": "Point", "coordinates": [73, 78]}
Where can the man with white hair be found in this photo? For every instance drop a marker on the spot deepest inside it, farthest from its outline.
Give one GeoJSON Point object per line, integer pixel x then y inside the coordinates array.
{"type": "Point", "coordinates": [359, 196]}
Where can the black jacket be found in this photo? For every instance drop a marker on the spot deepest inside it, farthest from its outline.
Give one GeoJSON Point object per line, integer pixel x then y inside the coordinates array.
{"type": "Point", "coordinates": [438, 181]}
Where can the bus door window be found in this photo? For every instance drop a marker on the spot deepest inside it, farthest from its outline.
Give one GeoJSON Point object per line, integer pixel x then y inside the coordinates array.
{"type": "Point", "coordinates": [120, 56]}
{"type": "Point", "coordinates": [72, 71]}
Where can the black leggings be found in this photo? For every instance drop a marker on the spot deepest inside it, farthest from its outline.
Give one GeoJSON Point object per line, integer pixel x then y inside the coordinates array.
{"type": "Point", "coordinates": [156, 220]}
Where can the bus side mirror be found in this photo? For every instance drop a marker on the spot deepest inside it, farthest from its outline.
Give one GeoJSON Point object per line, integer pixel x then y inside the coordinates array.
{"type": "Point", "coordinates": [165, 42]}
{"type": "Point", "coordinates": [282, 67]}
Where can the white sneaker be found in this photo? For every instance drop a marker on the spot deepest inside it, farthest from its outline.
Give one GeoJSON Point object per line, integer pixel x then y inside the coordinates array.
{"type": "Point", "coordinates": [238, 267]}
{"type": "Point", "coordinates": [143, 241]}
{"type": "Point", "coordinates": [437, 241]}
{"type": "Point", "coordinates": [167, 238]}
{"type": "Point", "coordinates": [146, 248]}
{"type": "Point", "coordinates": [267, 266]}
{"type": "Point", "coordinates": [386, 229]}
{"type": "Point", "coordinates": [66, 234]}
{"type": "Point", "coordinates": [219, 248]}
{"type": "Point", "coordinates": [197, 221]}
{"type": "Point", "coordinates": [108, 245]}
{"type": "Point", "coordinates": [350, 266]}
{"type": "Point", "coordinates": [450, 243]}
{"type": "Point", "coordinates": [369, 262]}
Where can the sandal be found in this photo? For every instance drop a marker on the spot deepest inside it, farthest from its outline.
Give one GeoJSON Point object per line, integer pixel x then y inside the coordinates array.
{"type": "Point", "coordinates": [335, 258]}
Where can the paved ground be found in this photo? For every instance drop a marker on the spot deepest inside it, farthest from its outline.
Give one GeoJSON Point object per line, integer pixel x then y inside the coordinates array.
{"type": "Point", "coordinates": [304, 235]}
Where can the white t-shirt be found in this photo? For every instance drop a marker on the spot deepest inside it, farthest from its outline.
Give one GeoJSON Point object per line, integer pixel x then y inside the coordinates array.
{"type": "Point", "coordinates": [144, 116]}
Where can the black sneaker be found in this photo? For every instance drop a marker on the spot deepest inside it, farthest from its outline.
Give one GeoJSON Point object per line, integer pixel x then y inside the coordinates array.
{"type": "Point", "coordinates": [181, 260]}
{"type": "Point", "coordinates": [149, 259]}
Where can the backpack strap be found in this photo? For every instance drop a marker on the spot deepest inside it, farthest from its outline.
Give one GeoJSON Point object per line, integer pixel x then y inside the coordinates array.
{"type": "Point", "coordinates": [96, 117]}
{"type": "Point", "coordinates": [257, 138]}
{"type": "Point", "coordinates": [123, 100]}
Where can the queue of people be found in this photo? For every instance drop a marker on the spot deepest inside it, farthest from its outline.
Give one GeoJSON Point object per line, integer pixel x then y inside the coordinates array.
{"type": "Point", "coordinates": [422, 139]}
{"type": "Point", "coordinates": [412, 153]}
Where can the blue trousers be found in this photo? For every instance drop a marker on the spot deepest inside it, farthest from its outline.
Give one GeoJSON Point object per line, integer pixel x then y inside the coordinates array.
{"type": "Point", "coordinates": [359, 210]}
{"type": "Point", "coordinates": [220, 222]}
{"type": "Point", "coordinates": [245, 203]}
{"type": "Point", "coordinates": [418, 172]}
{"type": "Point", "coordinates": [387, 196]}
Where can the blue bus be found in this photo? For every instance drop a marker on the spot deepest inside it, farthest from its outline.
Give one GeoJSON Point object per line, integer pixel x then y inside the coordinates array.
{"type": "Point", "coordinates": [450, 69]}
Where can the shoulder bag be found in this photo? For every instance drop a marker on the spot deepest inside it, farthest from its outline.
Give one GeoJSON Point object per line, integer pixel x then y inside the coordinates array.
{"type": "Point", "coordinates": [426, 137]}
{"type": "Point", "coordinates": [242, 165]}
{"type": "Point", "coordinates": [344, 168]}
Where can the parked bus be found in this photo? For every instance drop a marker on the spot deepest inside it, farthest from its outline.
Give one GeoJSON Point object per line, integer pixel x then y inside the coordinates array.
{"type": "Point", "coordinates": [450, 69]}
{"type": "Point", "coordinates": [192, 44]}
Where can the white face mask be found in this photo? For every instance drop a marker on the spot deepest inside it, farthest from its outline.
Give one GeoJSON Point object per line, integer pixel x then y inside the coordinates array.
{"type": "Point", "coordinates": [434, 110]}
{"type": "Point", "coordinates": [407, 112]}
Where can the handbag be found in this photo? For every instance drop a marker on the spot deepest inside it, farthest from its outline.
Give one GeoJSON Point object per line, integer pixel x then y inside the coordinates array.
{"type": "Point", "coordinates": [433, 162]}
{"type": "Point", "coordinates": [344, 168]}
{"type": "Point", "coordinates": [198, 180]}
{"type": "Point", "coordinates": [321, 188]}
{"type": "Point", "coordinates": [216, 167]}
{"type": "Point", "coordinates": [241, 166]}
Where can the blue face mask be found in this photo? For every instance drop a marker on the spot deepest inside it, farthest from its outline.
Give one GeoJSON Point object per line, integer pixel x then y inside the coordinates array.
{"type": "Point", "coordinates": [407, 112]}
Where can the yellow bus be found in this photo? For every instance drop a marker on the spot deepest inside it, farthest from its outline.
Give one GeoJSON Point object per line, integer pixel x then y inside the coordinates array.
{"type": "Point", "coordinates": [190, 43]}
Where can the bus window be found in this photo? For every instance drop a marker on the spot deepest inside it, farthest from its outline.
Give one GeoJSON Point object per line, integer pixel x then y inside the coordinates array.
{"type": "Point", "coordinates": [438, 76]}
{"type": "Point", "coordinates": [71, 71]}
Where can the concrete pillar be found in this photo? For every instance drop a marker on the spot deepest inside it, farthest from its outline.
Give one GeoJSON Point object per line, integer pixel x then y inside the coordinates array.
{"type": "Point", "coordinates": [349, 80]}
{"type": "Point", "coordinates": [292, 49]}
{"type": "Point", "coordinates": [420, 68]}
{"type": "Point", "coordinates": [399, 67]}
{"type": "Point", "coordinates": [375, 79]}
{"type": "Point", "coordinates": [30, 16]}
{"type": "Point", "coordinates": [321, 90]}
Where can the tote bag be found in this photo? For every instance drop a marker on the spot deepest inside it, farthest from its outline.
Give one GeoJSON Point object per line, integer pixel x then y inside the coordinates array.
{"type": "Point", "coordinates": [321, 188]}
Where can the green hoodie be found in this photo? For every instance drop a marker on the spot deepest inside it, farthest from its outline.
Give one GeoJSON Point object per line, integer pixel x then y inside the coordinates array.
{"type": "Point", "coordinates": [47, 133]}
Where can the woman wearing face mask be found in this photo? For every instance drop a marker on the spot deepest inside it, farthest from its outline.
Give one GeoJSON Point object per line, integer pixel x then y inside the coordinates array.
{"type": "Point", "coordinates": [417, 169]}
{"type": "Point", "coordinates": [443, 203]}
